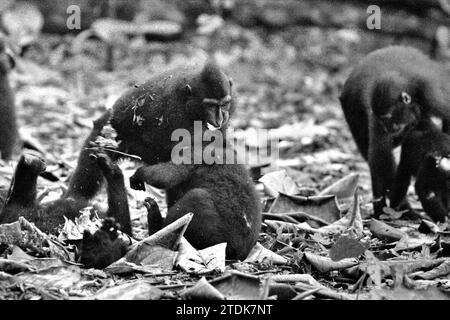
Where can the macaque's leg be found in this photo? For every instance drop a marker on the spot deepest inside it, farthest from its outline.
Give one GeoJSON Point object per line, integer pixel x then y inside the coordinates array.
{"type": "Point", "coordinates": [382, 166]}
{"type": "Point", "coordinates": [400, 186]}
{"type": "Point", "coordinates": [432, 188]}
{"type": "Point", "coordinates": [163, 175]}
{"type": "Point", "coordinates": [358, 123]}
{"type": "Point", "coordinates": [432, 204]}
{"type": "Point", "coordinates": [206, 227]}
{"type": "Point", "coordinates": [87, 179]}
{"type": "Point", "coordinates": [117, 194]}
{"type": "Point", "coordinates": [23, 186]}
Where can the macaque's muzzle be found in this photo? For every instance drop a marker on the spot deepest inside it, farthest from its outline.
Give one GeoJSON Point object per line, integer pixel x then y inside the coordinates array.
{"type": "Point", "coordinates": [218, 111]}
{"type": "Point", "coordinates": [390, 126]}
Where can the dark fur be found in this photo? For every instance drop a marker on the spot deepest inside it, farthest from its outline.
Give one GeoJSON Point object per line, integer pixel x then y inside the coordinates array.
{"type": "Point", "coordinates": [87, 178]}
{"type": "Point", "coordinates": [421, 152]}
{"type": "Point", "coordinates": [154, 218]}
{"type": "Point", "coordinates": [165, 103]}
{"type": "Point", "coordinates": [221, 196]}
{"type": "Point", "coordinates": [21, 200]}
{"type": "Point", "coordinates": [103, 247]}
{"type": "Point", "coordinates": [374, 89]}
{"type": "Point", "coordinates": [9, 136]}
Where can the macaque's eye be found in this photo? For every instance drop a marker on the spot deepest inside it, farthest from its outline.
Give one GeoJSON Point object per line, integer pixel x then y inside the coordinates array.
{"type": "Point", "coordinates": [405, 98]}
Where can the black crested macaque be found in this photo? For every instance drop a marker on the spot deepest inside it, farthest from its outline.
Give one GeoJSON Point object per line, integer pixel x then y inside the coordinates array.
{"type": "Point", "coordinates": [222, 197]}
{"type": "Point", "coordinates": [21, 199]}
{"type": "Point", "coordinates": [425, 155]}
{"type": "Point", "coordinates": [145, 117]}
{"type": "Point", "coordinates": [9, 136]}
{"type": "Point", "coordinates": [102, 248]}
{"type": "Point", "coordinates": [385, 96]}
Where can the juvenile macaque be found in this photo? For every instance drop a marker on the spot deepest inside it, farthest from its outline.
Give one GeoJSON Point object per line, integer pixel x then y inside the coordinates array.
{"type": "Point", "coordinates": [88, 178]}
{"type": "Point", "coordinates": [385, 96]}
{"type": "Point", "coordinates": [9, 136]}
{"type": "Point", "coordinates": [21, 199]}
{"type": "Point", "coordinates": [222, 197]}
{"type": "Point", "coordinates": [425, 155]}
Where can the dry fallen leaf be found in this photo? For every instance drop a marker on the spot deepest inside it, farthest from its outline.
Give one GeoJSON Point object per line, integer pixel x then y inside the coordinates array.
{"type": "Point", "coordinates": [259, 254]}
{"type": "Point", "coordinates": [278, 182]}
{"type": "Point", "coordinates": [135, 290]}
{"type": "Point", "coordinates": [240, 286]}
{"type": "Point", "coordinates": [204, 261]}
{"type": "Point", "coordinates": [325, 264]}
{"type": "Point", "coordinates": [202, 290]}
{"type": "Point", "coordinates": [346, 247]}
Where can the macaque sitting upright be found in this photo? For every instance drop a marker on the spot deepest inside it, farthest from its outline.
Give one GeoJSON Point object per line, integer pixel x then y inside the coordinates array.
{"type": "Point", "coordinates": [385, 97]}
{"type": "Point", "coordinates": [222, 198]}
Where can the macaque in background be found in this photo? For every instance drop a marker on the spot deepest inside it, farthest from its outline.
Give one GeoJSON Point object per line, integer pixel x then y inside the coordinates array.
{"type": "Point", "coordinates": [9, 136]}
{"type": "Point", "coordinates": [385, 97]}
{"type": "Point", "coordinates": [425, 155]}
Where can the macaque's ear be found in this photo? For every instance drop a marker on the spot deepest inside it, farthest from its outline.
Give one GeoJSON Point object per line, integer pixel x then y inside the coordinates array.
{"type": "Point", "coordinates": [188, 90]}
{"type": "Point", "coordinates": [405, 97]}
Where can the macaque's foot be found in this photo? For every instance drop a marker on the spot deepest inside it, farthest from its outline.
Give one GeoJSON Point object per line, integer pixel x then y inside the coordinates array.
{"type": "Point", "coordinates": [154, 218]}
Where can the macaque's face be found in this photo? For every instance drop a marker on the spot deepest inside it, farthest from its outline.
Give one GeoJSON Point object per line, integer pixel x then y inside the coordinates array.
{"type": "Point", "coordinates": [402, 113]}
{"type": "Point", "coordinates": [217, 112]}
{"type": "Point", "coordinates": [215, 105]}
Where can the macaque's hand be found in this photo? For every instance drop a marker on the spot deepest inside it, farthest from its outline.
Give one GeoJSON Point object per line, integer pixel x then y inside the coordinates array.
{"type": "Point", "coordinates": [136, 181]}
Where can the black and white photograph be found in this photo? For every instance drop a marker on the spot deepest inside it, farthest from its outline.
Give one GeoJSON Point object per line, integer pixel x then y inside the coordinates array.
{"type": "Point", "coordinates": [222, 156]}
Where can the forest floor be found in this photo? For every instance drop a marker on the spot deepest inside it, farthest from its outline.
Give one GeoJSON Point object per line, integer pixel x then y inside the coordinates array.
{"type": "Point", "coordinates": [287, 81]}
